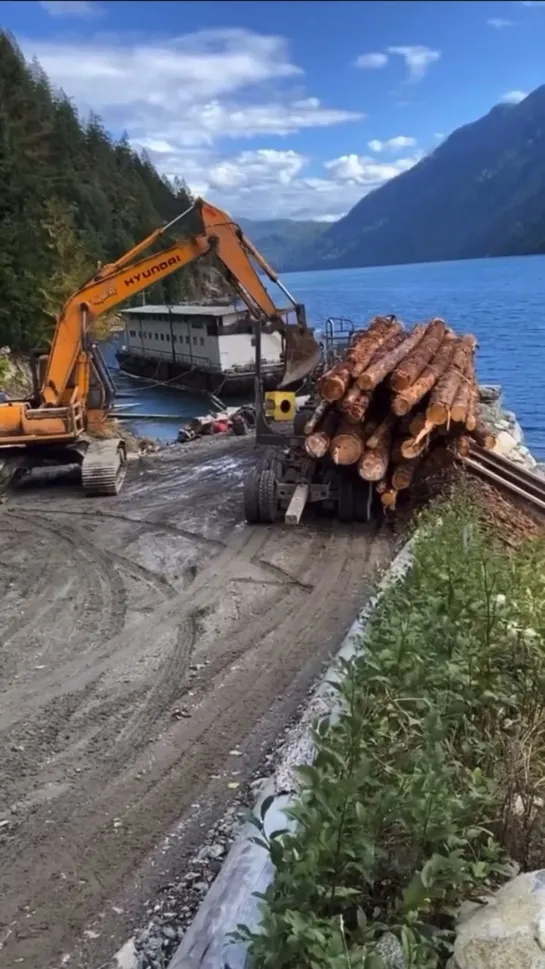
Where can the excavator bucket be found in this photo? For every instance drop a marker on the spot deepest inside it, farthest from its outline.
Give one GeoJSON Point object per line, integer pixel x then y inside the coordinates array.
{"type": "Point", "coordinates": [302, 354]}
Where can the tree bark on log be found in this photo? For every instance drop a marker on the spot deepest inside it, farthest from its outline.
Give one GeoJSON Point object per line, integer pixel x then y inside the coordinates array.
{"type": "Point", "coordinates": [317, 416]}
{"type": "Point", "coordinates": [347, 445]}
{"type": "Point", "coordinates": [382, 432]}
{"type": "Point", "coordinates": [409, 369]}
{"type": "Point", "coordinates": [472, 410]}
{"type": "Point", "coordinates": [334, 383]}
{"type": "Point", "coordinates": [354, 404]}
{"type": "Point", "coordinates": [483, 435]}
{"type": "Point", "coordinates": [461, 402]}
{"type": "Point", "coordinates": [317, 444]}
{"type": "Point", "coordinates": [445, 390]}
{"type": "Point", "coordinates": [360, 354]}
{"type": "Point", "coordinates": [402, 475]}
{"type": "Point", "coordinates": [377, 371]}
{"type": "Point", "coordinates": [404, 402]}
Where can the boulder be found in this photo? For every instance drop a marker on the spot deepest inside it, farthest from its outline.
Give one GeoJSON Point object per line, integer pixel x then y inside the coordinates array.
{"type": "Point", "coordinates": [505, 443]}
{"type": "Point", "coordinates": [527, 457]}
{"type": "Point", "coordinates": [490, 393]}
{"type": "Point", "coordinates": [490, 403]}
{"type": "Point", "coordinates": [390, 949]}
{"type": "Point", "coordinates": [508, 932]}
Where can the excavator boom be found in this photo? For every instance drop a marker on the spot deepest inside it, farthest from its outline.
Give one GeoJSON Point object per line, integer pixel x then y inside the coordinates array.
{"type": "Point", "coordinates": [72, 391]}
{"type": "Point", "coordinates": [117, 282]}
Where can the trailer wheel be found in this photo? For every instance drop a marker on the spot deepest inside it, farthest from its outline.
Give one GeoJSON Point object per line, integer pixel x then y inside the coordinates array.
{"type": "Point", "coordinates": [363, 501]}
{"type": "Point", "coordinates": [251, 497]}
{"type": "Point", "coordinates": [268, 503]}
{"type": "Point", "coordinates": [270, 460]}
{"type": "Point", "coordinates": [345, 500]}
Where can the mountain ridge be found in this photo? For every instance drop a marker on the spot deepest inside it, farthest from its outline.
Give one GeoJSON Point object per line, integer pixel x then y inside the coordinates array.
{"type": "Point", "coordinates": [481, 192]}
{"type": "Point", "coordinates": [280, 239]}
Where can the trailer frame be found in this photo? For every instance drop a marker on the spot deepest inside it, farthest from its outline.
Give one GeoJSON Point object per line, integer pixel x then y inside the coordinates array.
{"type": "Point", "coordinates": [284, 479]}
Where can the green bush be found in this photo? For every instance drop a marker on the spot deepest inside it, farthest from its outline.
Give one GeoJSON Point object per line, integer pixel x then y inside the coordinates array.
{"type": "Point", "coordinates": [425, 788]}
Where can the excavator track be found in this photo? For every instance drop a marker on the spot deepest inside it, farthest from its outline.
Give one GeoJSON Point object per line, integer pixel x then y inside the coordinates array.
{"type": "Point", "coordinates": [104, 468]}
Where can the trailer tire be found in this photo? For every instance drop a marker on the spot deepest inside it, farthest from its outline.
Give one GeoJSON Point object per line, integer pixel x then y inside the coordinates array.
{"type": "Point", "coordinates": [345, 499]}
{"type": "Point", "coordinates": [268, 503]}
{"type": "Point", "coordinates": [363, 501]}
{"type": "Point", "coordinates": [251, 497]}
{"type": "Point", "coordinates": [270, 460]}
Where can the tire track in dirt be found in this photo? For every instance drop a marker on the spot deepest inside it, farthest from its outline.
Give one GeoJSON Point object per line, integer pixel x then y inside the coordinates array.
{"type": "Point", "coordinates": [99, 655]}
{"type": "Point", "coordinates": [114, 771]}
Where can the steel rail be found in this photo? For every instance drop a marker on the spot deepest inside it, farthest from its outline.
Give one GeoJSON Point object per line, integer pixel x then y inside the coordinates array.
{"type": "Point", "coordinates": [503, 472]}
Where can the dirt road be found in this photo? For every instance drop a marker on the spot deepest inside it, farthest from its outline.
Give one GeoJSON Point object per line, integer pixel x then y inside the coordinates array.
{"type": "Point", "coordinates": [142, 639]}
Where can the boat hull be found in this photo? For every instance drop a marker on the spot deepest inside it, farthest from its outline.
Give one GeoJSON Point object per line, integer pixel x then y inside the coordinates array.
{"type": "Point", "coordinates": [224, 385]}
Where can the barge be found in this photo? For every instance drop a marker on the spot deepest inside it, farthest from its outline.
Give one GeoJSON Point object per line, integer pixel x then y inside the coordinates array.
{"type": "Point", "coordinates": [199, 348]}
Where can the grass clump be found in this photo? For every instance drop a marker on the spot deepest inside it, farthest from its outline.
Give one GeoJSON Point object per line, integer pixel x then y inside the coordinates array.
{"type": "Point", "coordinates": [427, 787]}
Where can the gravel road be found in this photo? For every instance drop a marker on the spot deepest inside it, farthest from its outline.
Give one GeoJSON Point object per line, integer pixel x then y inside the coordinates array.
{"type": "Point", "coordinates": [143, 639]}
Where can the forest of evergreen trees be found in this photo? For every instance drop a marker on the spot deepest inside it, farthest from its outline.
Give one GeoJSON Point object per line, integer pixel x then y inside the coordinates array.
{"type": "Point", "coordinates": [69, 196]}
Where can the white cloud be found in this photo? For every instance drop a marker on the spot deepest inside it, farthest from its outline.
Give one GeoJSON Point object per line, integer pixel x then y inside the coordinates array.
{"type": "Point", "coordinates": [418, 59]}
{"type": "Point", "coordinates": [532, 3]}
{"type": "Point", "coordinates": [513, 97]}
{"type": "Point", "coordinates": [371, 61]}
{"type": "Point", "coordinates": [187, 99]}
{"type": "Point", "coordinates": [71, 8]}
{"type": "Point", "coordinates": [499, 22]}
{"type": "Point", "coordinates": [439, 135]}
{"type": "Point", "coordinates": [365, 171]}
{"type": "Point", "coordinates": [269, 183]}
{"type": "Point", "coordinates": [399, 143]}
{"type": "Point", "coordinates": [180, 71]}
{"type": "Point", "coordinates": [190, 90]}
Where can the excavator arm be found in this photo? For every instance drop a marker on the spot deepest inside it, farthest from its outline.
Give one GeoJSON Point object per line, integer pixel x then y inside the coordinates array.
{"type": "Point", "coordinates": [116, 282]}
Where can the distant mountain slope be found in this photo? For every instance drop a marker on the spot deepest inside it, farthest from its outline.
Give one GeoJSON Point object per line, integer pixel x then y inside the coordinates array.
{"type": "Point", "coordinates": [480, 193]}
{"type": "Point", "coordinates": [279, 240]}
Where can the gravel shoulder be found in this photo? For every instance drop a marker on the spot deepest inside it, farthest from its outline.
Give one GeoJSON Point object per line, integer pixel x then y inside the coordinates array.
{"type": "Point", "coordinates": [143, 639]}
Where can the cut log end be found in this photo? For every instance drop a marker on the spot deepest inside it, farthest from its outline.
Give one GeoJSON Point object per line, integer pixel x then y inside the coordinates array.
{"type": "Point", "coordinates": [389, 499]}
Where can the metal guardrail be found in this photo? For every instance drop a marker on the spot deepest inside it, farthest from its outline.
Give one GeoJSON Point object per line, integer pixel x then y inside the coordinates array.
{"type": "Point", "coordinates": [503, 472]}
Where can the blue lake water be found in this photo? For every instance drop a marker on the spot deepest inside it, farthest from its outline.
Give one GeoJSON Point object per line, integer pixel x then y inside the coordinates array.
{"type": "Point", "coordinates": [502, 301]}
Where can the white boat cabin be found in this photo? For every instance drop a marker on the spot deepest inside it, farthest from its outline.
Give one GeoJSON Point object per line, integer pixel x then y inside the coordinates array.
{"type": "Point", "coordinates": [208, 338]}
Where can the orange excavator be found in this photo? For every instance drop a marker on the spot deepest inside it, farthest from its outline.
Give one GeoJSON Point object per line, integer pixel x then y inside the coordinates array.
{"type": "Point", "coordinates": [73, 391]}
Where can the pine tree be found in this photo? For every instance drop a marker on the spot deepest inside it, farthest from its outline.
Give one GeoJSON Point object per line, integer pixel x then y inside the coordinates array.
{"type": "Point", "coordinates": [70, 196]}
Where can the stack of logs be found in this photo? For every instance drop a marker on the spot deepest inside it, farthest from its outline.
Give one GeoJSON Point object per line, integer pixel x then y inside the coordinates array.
{"type": "Point", "coordinates": [393, 398]}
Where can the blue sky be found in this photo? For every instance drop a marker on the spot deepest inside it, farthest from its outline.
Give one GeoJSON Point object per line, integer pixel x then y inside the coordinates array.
{"type": "Point", "coordinates": [294, 108]}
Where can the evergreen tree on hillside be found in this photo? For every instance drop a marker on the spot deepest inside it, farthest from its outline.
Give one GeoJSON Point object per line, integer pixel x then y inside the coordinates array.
{"type": "Point", "coordinates": [70, 196]}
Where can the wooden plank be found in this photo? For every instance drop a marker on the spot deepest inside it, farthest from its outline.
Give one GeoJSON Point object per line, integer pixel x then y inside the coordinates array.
{"type": "Point", "coordinates": [297, 504]}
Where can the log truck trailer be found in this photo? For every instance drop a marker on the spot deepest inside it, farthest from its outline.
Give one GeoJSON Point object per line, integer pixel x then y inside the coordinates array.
{"type": "Point", "coordinates": [72, 390]}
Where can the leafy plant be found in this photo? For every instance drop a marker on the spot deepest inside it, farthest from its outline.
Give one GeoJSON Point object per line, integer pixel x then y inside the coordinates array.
{"type": "Point", "coordinates": [413, 802]}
